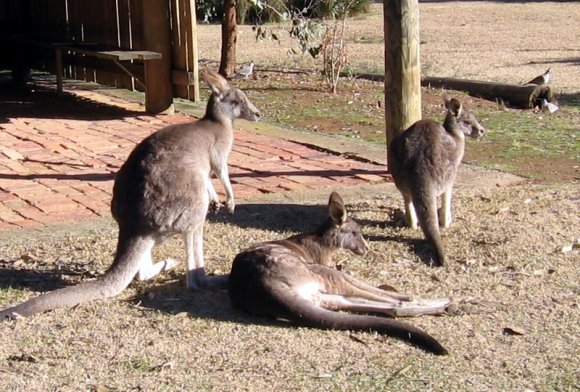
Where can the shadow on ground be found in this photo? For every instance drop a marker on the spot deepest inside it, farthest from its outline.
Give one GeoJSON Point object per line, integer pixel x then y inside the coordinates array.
{"type": "Point", "coordinates": [277, 217]}
{"type": "Point", "coordinates": [40, 100]}
{"type": "Point", "coordinates": [30, 279]}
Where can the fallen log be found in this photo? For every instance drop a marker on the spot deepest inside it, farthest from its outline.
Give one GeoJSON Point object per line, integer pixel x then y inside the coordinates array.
{"type": "Point", "coordinates": [524, 96]}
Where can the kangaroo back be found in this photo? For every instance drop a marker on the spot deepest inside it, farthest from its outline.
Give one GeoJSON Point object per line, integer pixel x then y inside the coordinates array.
{"type": "Point", "coordinates": [423, 161]}
{"type": "Point", "coordinates": [288, 279]}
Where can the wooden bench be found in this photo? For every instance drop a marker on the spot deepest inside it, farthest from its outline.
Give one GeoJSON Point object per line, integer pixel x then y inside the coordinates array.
{"type": "Point", "coordinates": [116, 55]}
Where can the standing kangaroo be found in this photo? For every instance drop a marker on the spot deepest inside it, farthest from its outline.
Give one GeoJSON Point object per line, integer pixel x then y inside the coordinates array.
{"type": "Point", "coordinates": [423, 161]}
{"type": "Point", "coordinates": [291, 279]}
{"type": "Point", "coordinates": [163, 188]}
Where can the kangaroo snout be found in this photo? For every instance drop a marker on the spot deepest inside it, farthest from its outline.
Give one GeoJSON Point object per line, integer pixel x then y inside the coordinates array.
{"type": "Point", "coordinates": [478, 133]}
{"type": "Point", "coordinates": [251, 113]}
{"type": "Point", "coordinates": [362, 248]}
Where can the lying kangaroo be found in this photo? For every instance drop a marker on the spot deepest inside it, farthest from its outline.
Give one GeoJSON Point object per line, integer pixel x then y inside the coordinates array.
{"type": "Point", "coordinates": [423, 161]}
{"type": "Point", "coordinates": [163, 188]}
{"type": "Point", "coordinates": [291, 279]}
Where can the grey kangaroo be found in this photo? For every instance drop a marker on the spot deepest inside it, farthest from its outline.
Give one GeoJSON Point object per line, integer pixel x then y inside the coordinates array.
{"type": "Point", "coordinates": [163, 188]}
{"type": "Point", "coordinates": [423, 161]}
{"type": "Point", "coordinates": [291, 279]}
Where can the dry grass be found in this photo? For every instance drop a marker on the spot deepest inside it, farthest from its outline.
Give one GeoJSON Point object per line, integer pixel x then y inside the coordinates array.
{"type": "Point", "coordinates": [494, 41]}
{"type": "Point", "coordinates": [504, 258]}
{"type": "Point", "coordinates": [504, 249]}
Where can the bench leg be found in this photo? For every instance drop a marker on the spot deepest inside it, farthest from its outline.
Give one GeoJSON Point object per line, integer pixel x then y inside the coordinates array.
{"type": "Point", "coordinates": [59, 69]}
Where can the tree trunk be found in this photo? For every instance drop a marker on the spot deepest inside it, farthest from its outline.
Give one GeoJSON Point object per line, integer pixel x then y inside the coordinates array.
{"type": "Point", "coordinates": [229, 39]}
{"type": "Point", "coordinates": [515, 95]}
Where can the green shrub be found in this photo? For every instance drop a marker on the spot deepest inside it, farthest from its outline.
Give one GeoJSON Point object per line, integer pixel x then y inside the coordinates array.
{"type": "Point", "coordinates": [251, 12]}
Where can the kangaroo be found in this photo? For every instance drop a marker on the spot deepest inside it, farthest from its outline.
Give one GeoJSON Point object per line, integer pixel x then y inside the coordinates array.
{"type": "Point", "coordinates": [291, 279]}
{"type": "Point", "coordinates": [423, 161]}
{"type": "Point", "coordinates": [163, 188]}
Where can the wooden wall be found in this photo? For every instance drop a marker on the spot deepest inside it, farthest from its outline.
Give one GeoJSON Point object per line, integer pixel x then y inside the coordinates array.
{"type": "Point", "coordinates": [116, 23]}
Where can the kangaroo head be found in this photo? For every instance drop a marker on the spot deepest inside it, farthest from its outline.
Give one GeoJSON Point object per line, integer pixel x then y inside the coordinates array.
{"type": "Point", "coordinates": [466, 121]}
{"type": "Point", "coordinates": [229, 101]}
{"type": "Point", "coordinates": [341, 231]}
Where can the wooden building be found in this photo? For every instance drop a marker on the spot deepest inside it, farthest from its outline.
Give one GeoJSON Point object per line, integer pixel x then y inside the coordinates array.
{"type": "Point", "coordinates": [148, 45]}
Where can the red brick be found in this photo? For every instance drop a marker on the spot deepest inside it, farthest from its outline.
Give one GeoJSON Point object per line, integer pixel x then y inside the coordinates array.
{"type": "Point", "coordinates": [27, 223]}
{"type": "Point", "coordinates": [372, 177]}
{"type": "Point", "coordinates": [7, 226]}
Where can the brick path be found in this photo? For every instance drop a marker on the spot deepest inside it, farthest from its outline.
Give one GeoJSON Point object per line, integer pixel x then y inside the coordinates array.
{"type": "Point", "coordinates": [58, 156]}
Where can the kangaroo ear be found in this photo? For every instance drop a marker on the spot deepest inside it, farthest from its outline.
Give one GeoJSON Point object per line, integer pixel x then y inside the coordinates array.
{"type": "Point", "coordinates": [216, 82]}
{"type": "Point", "coordinates": [336, 208]}
{"type": "Point", "coordinates": [454, 106]}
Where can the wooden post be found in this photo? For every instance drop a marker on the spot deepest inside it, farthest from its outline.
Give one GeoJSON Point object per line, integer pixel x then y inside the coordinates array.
{"type": "Point", "coordinates": [402, 65]}
{"type": "Point", "coordinates": [195, 51]}
{"type": "Point", "coordinates": [156, 37]}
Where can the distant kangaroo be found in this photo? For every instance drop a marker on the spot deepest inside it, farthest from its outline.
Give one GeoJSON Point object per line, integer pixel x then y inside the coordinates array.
{"type": "Point", "coordinates": [423, 161]}
{"type": "Point", "coordinates": [163, 188]}
{"type": "Point", "coordinates": [290, 279]}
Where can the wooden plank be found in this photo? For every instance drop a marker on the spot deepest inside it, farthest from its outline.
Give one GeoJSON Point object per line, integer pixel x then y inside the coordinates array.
{"type": "Point", "coordinates": [179, 47]}
{"type": "Point", "coordinates": [107, 35]}
{"type": "Point", "coordinates": [118, 55]}
{"type": "Point", "coordinates": [83, 62]}
{"type": "Point", "coordinates": [402, 65]}
{"type": "Point", "coordinates": [137, 24]}
{"type": "Point", "coordinates": [156, 37]}
{"type": "Point", "coordinates": [185, 52]}
{"type": "Point", "coordinates": [48, 19]}
{"type": "Point", "coordinates": [182, 78]}
{"type": "Point", "coordinates": [75, 31]}
{"type": "Point", "coordinates": [194, 50]}
{"type": "Point", "coordinates": [124, 18]}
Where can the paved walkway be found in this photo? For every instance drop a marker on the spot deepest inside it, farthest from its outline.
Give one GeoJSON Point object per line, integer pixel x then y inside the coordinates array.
{"type": "Point", "coordinates": [58, 156]}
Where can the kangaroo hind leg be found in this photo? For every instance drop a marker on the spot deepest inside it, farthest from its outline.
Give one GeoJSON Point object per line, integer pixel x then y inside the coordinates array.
{"type": "Point", "coordinates": [445, 212]}
{"type": "Point", "coordinates": [196, 276]}
{"type": "Point", "coordinates": [410, 214]}
{"type": "Point", "coordinates": [148, 269]}
{"type": "Point", "coordinates": [339, 283]}
{"type": "Point", "coordinates": [391, 308]}
{"type": "Point", "coordinates": [425, 202]}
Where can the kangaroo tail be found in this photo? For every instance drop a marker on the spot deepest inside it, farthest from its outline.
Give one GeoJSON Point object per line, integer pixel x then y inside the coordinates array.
{"type": "Point", "coordinates": [425, 203]}
{"type": "Point", "coordinates": [130, 251]}
{"type": "Point", "coordinates": [304, 312]}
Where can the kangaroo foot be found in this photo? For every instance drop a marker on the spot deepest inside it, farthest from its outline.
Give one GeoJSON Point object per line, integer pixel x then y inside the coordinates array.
{"type": "Point", "coordinates": [199, 281]}
{"type": "Point", "coordinates": [154, 269]}
{"type": "Point", "coordinates": [214, 207]}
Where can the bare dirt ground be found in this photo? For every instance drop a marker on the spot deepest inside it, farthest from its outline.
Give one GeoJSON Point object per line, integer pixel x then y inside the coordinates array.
{"type": "Point", "coordinates": [513, 266]}
{"type": "Point", "coordinates": [492, 41]}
